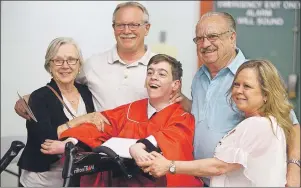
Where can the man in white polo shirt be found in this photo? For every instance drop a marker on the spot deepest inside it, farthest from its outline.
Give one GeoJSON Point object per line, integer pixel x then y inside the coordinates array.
{"type": "Point", "coordinates": [116, 77]}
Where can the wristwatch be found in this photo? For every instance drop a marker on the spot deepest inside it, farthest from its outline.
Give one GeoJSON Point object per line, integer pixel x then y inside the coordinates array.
{"type": "Point", "coordinates": [172, 167]}
{"type": "Point", "coordinates": [295, 161]}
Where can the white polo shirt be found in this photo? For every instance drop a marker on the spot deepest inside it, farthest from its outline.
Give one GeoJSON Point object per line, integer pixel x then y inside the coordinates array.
{"type": "Point", "coordinates": [112, 81]}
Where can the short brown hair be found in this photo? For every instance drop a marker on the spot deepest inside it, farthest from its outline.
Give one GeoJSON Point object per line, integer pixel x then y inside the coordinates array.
{"type": "Point", "coordinates": [176, 66]}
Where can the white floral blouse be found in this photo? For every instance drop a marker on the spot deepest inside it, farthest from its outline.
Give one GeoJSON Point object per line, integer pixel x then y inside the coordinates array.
{"type": "Point", "coordinates": [260, 147]}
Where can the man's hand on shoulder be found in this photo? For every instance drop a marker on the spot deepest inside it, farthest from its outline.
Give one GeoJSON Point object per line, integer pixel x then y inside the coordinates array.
{"type": "Point", "coordinates": [178, 96]}
{"type": "Point", "coordinates": [19, 108]}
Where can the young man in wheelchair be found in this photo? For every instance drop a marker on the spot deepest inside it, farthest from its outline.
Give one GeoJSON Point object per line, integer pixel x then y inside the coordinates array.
{"type": "Point", "coordinates": [154, 122]}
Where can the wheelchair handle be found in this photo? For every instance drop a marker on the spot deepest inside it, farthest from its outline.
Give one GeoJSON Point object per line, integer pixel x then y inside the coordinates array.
{"type": "Point", "coordinates": [115, 157]}
{"type": "Point", "coordinates": [70, 152]}
{"type": "Point", "coordinates": [12, 152]}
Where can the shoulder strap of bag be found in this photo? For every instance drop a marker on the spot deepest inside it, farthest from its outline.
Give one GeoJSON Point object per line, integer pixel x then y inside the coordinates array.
{"type": "Point", "coordinates": [58, 96]}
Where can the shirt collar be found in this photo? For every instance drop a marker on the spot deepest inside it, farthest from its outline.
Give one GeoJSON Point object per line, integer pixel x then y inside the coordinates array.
{"type": "Point", "coordinates": [237, 61]}
{"type": "Point", "coordinates": [233, 66]}
{"type": "Point", "coordinates": [114, 57]}
{"type": "Point", "coordinates": [151, 110]}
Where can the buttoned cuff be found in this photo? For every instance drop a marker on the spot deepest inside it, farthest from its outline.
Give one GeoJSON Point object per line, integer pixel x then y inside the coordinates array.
{"type": "Point", "coordinates": [152, 139]}
{"type": "Point", "coordinates": [73, 140]}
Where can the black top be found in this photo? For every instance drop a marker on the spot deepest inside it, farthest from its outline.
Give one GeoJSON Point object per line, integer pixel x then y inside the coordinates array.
{"type": "Point", "coordinates": [49, 113]}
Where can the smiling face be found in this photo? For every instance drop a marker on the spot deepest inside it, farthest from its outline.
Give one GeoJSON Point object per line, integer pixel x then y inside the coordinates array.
{"type": "Point", "coordinates": [247, 93]}
{"type": "Point", "coordinates": [130, 40]}
{"type": "Point", "coordinates": [222, 47]}
{"type": "Point", "coordinates": [159, 81]}
{"type": "Point", "coordinates": [65, 74]}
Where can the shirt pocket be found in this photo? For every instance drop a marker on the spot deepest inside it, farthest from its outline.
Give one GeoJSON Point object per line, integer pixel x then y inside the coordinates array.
{"type": "Point", "coordinates": [224, 117]}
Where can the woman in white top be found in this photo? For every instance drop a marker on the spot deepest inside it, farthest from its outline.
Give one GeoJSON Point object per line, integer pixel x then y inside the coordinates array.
{"type": "Point", "coordinates": [253, 153]}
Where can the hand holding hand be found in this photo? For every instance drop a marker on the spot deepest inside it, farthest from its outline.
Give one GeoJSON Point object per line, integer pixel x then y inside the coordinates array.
{"type": "Point", "coordinates": [139, 154]}
{"type": "Point", "coordinates": [158, 167]}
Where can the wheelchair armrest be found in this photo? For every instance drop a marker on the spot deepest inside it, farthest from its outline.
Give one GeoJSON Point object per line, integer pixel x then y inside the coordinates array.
{"type": "Point", "coordinates": [123, 162]}
{"type": "Point", "coordinates": [115, 157]}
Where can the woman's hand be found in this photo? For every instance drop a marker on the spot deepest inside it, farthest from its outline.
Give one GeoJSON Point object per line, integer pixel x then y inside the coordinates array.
{"type": "Point", "coordinates": [60, 129]}
{"type": "Point", "coordinates": [98, 120]}
{"type": "Point", "coordinates": [51, 147]}
{"type": "Point", "coordinates": [158, 167]}
{"type": "Point", "coordinates": [139, 154]}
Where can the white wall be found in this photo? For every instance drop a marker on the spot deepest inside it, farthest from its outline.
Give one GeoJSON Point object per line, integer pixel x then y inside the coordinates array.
{"type": "Point", "coordinates": [28, 27]}
{"type": "Point", "coordinates": [178, 19]}
{"type": "Point", "coordinates": [26, 30]}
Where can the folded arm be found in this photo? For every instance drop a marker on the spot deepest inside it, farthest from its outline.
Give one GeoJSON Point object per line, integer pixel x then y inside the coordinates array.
{"type": "Point", "coordinates": [95, 118]}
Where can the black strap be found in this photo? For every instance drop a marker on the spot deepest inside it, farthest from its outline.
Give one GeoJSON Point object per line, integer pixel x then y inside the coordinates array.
{"type": "Point", "coordinates": [149, 146]}
{"type": "Point", "coordinates": [58, 96]}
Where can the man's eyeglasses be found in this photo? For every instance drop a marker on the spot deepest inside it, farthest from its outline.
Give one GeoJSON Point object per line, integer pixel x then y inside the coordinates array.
{"type": "Point", "coordinates": [132, 26]}
{"type": "Point", "coordinates": [210, 37]}
{"type": "Point", "coordinates": [60, 62]}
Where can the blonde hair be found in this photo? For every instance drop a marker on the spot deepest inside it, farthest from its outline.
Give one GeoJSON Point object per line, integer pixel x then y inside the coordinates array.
{"type": "Point", "coordinates": [54, 46]}
{"type": "Point", "coordinates": [272, 87]}
{"type": "Point", "coordinates": [132, 4]}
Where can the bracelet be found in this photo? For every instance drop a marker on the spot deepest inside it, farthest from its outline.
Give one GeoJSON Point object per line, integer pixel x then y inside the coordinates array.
{"type": "Point", "coordinates": [295, 161]}
{"type": "Point", "coordinates": [67, 124]}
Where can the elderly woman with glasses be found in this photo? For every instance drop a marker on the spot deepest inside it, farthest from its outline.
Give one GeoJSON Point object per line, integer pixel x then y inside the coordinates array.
{"type": "Point", "coordinates": [53, 105]}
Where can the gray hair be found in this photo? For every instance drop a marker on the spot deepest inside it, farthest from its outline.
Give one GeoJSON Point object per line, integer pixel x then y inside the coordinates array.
{"type": "Point", "coordinates": [132, 4]}
{"type": "Point", "coordinates": [54, 47]}
{"type": "Point", "coordinates": [228, 18]}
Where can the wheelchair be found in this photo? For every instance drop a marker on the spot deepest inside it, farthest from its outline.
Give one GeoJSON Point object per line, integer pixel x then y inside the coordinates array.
{"type": "Point", "coordinates": [12, 152]}
{"type": "Point", "coordinates": [79, 163]}
{"type": "Point", "coordinates": [101, 159]}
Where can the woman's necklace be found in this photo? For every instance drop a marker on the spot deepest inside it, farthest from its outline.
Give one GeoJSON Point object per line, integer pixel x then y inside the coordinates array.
{"type": "Point", "coordinates": [74, 101]}
{"type": "Point", "coordinates": [72, 96]}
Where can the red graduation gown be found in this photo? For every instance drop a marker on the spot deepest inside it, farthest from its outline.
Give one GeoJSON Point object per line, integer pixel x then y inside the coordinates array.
{"type": "Point", "coordinates": [172, 127]}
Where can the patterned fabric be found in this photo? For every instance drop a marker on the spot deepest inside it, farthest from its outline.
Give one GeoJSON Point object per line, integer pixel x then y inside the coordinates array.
{"type": "Point", "coordinates": [259, 145]}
